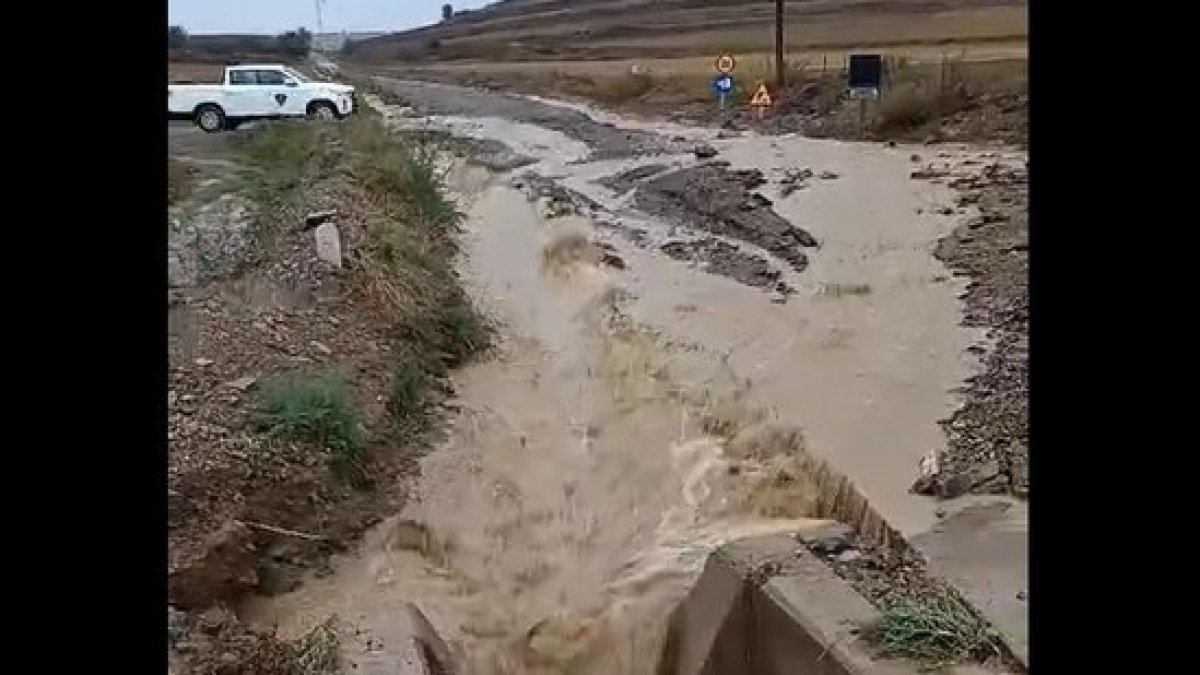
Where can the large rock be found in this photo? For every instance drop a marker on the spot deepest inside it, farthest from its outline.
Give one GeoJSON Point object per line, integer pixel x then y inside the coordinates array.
{"type": "Point", "coordinates": [208, 242]}
{"type": "Point", "coordinates": [329, 244]}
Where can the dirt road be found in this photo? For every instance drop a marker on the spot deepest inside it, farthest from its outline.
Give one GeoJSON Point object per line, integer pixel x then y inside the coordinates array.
{"type": "Point", "coordinates": [665, 316]}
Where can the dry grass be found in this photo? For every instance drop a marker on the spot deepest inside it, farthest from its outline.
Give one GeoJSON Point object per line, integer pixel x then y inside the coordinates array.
{"type": "Point", "coordinates": [906, 108]}
{"type": "Point", "coordinates": [979, 100]}
{"type": "Point", "coordinates": [919, 98]}
{"type": "Point", "coordinates": [652, 30]}
{"type": "Point", "coordinates": [938, 630]}
{"type": "Point", "coordinates": [399, 232]}
{"type": "Point", "coordinates": [181, 72]}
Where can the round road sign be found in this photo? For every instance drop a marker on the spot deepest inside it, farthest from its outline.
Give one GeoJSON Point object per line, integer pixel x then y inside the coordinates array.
{"type": "Point", "coordinates": [725, 63]}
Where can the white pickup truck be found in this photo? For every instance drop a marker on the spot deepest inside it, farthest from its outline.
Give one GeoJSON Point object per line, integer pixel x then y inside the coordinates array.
{"type": "Point", "coordinates": [252, 92]}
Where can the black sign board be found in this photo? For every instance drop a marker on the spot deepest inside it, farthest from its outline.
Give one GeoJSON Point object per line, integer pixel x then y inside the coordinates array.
{"type": "Point", "coordinates": [866, 71]}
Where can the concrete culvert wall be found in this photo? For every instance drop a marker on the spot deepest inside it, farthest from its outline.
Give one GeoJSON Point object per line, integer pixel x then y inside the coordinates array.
{"type": "Point", "coordinates": [766, 606]}
{"type": "Point", "coordinates": [823, 492]}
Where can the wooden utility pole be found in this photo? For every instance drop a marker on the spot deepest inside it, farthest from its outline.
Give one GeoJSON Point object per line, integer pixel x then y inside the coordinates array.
{"type": "Point", "coordinates": [780, 65]}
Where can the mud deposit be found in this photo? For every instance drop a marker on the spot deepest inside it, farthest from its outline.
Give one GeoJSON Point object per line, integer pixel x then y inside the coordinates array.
{"type": "Point", "coordinates": [714, 198]}
{"type": "Point", "coordinates": [721, 257]}
{"type": "Point", "coordinates": [627, 180]}
{"type": "Point", "coordinates": [606, 140]}
{"type": "Point", "coordinates": [989, 436]}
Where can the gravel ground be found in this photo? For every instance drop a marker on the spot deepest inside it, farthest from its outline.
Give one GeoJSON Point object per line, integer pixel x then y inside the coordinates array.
{"type": "Point", "coordinates": [884, 575]}
{"type": "Point", "coordinates": [989, 435]}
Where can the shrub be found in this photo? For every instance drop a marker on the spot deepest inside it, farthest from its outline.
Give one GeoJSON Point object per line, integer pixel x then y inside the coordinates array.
{"type": "Point", "coordinates": [295, 42]}
{"type": "Point", "coordinates": [177, 37]}
{"type": "Point", "coordinates": [906, 108]}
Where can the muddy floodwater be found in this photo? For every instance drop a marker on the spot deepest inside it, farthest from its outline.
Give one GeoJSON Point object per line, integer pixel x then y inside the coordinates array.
{"type": "Point", "coordinates": [637, 416]}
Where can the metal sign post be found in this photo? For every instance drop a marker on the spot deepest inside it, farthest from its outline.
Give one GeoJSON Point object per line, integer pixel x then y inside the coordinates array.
{"type": "Point", "coordinates": [761, 100]}
{"type": "Point", "coordinates": [722, 84]}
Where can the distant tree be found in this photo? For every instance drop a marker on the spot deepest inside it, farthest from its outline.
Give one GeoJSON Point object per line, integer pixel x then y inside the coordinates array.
{"type": "Point", "coordinates": [447, 12]}
{"type": "Point", "coordinates": [177, 37]}
{"type": "Point", "coordinates": [295, 42]}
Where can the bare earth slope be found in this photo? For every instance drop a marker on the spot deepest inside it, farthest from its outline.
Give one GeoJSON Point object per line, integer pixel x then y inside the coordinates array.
{"type": "Point", "coordinates": [547, 29]}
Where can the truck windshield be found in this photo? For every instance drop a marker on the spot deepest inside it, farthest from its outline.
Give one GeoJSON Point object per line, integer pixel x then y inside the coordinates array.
{"type": "Point", "coordinates": [295, 76]}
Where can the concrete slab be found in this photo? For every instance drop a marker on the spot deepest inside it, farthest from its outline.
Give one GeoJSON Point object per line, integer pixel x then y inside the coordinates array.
{"type": "Point", "coordinates": [982, 547]}
{"type": "Point", "coordinates": [766, 606]}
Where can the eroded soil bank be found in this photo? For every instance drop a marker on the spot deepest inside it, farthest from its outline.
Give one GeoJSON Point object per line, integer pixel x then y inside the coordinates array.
{"type": "Point", "coordinates": [307, 364]}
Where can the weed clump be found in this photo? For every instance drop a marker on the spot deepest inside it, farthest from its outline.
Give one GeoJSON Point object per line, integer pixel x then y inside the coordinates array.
{"type": "Point", "coordinates": [906, 108]}
{"type": "Point", "coordinates": [312, 407]}
{"type": "Point", "coordinates": [411, 174]}
{"type": "Point", "coordinates": [181, 180]}
{"type": "Point", "coordinates": [939, 629]}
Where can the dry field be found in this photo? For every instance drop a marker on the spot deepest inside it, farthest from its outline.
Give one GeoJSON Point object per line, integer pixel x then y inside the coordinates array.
{"type": "Point", "coordinates": [959, 67]}
{"type": "Point", "coordinates": [188, 71]}
{"type": "Point", "coordinates": [668, 29]}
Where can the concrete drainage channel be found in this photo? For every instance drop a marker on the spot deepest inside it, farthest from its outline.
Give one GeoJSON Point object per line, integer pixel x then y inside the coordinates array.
{"type": "Point", "coordinates": [762, 605]}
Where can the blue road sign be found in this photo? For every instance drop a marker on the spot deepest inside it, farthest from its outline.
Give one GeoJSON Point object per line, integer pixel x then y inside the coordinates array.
{"type": "Point", "coordinates": [722, 84]}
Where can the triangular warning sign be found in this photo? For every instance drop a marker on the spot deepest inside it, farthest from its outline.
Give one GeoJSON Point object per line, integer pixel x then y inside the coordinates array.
{"type": "Point", "coordinates": [762, 98]}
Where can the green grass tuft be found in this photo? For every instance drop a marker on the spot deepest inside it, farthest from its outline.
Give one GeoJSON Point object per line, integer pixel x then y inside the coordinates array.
{"type": "Point", "coordinates": [464, 332]}
{"type": "Point", "coordinates": [410, 173]}
{"type": "Point", "coordinates": [316, 408]}
{"type": "Point", "coordinates": [410, 382]}
{"type": "Point", "coordinates": [937, 630]}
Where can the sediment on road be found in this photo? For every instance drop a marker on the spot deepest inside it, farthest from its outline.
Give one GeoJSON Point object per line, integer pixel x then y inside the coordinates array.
{"type": "Point", "coordinates": [314, 312]}
{"type": "Point", "coordinates": [924, 102]}
{"type": "Point", "coordinates": [988, 436]}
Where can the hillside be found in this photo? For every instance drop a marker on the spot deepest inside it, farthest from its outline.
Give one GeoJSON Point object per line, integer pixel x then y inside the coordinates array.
{"type": "Point", "coordinates": [614, 29]}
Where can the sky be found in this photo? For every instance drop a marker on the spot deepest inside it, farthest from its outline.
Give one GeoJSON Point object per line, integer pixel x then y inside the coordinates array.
{"type": "Point", "coordinates": [275, 16]}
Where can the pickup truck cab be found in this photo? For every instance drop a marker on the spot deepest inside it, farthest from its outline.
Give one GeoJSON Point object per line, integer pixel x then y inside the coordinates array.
{"type": "Point", "coordinates": [252, 92]}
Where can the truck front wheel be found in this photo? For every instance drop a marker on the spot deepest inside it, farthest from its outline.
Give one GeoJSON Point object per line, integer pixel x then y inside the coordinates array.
{"type": "Point", "coordinates": [210, 118]}
{"type": "Point", "coordinates": [322, 110]}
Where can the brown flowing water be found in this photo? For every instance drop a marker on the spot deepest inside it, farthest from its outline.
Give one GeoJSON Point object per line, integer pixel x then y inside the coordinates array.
{"type": "Point", "coordinates": [631, 422]}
